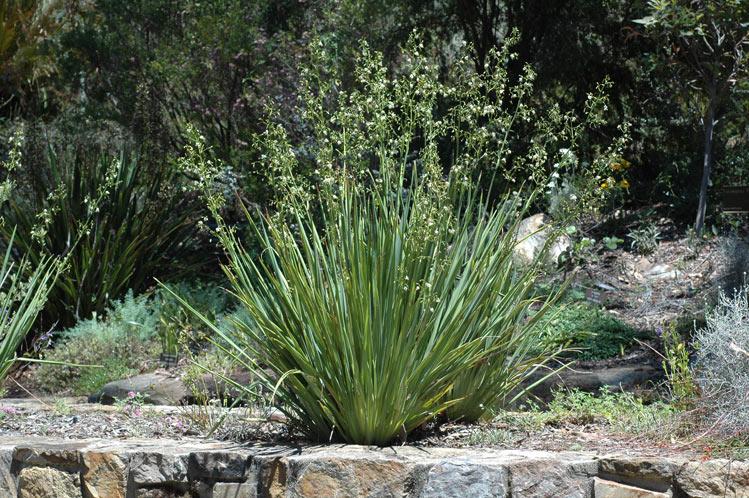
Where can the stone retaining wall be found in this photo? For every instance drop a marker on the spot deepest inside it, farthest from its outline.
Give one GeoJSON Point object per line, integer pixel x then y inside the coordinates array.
{"type": "Point", "coordinates": [38, 468]}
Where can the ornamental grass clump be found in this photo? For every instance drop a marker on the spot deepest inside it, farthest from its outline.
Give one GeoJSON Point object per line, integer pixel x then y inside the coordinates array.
{"type": "Point", "coordinates": [24, 287]}
{"type": "Point", "coordinates": [386, 294]}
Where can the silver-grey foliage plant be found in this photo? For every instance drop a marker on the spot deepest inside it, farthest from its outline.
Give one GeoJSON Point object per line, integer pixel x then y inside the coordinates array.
{"type": "Point", "coordinates": [722, 362]}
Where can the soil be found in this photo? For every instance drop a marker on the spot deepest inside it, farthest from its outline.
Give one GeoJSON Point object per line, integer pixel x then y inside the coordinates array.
{"type": "Point", "coordinates": [594, 437]}
{"type": "Point", "coordinates": [671, 285]}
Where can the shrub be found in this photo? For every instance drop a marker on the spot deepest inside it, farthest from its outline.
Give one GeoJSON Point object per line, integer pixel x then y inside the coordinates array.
{"type": "Point", "coordinates": [178, 327]}
{"type": "Point", "coordinates": [644, 240]}
{"type": "Point", "coordinates": [117, 222]}
{"type": "Point", "coordinates": [676, 366]}
{"type": "Point", "coordinates": [721, 366]}
{"type": "Point", "coordinates": [624, 412]}
{"type": "Point", "coordinates": [592, 333]}
{"type": "Point", "coordinates": [122, 344]}
{"type": "Point", "coordinates": [21, 300]}
{"type": "Point", "coordinates": [375, 328]}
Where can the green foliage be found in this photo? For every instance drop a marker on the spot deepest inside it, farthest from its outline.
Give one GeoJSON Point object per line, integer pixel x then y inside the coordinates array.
{"type": "Point", "coordinates": [137, 316]}
{"type": "Point", "coordinates": [125, 339]}
{"type": "Point", "coordinates": [89, 380]}
{"type": "Point", "coordinates": [619, 412]}
{"type": "Point", "coordinates": [594, 334]}
{"type": "Point", "coordinates": [25, 58]}
{"type": "Point", "coordinates": [612, 243]}
{"type": "Point", "coordinates": [583, 248]}
{"type": "Point", "coordinates": [644, 239]}
{"type": "Point", "coordinates": [122, 343]}
{"type": "Point", "coordinates": [705, 43]}
{"type": "Point", "coordinates": [131, 223]}
{"type": "Point", "coordinates": [23, 294]}
{"type": "Point", "coordinates": [215, 64]}
{"type": "Point", "coordinates": [624, 412]}
{"type": "Point", "coordinates": [177, 326]}
{"type": "Point", "coordinates": [132, 405]}
{"type": "Point", "coordinates": [364, 322]}
{"type": "Point", "coordinates": [676, 366]}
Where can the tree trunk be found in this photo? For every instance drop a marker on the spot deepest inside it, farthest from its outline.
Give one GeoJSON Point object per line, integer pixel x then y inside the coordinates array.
{"type": "Point", "coordinates": [707, 159]}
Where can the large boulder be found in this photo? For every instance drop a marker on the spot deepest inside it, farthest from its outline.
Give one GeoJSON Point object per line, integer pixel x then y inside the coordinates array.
{"type": "Point", "coordinates": [164, 388]}
{"type": "Point", "coordinates": [624, 378]}
{"type": "Point", "coordinates": [158, 388]}
{"type": "Point", "coordinates": [533, 234]}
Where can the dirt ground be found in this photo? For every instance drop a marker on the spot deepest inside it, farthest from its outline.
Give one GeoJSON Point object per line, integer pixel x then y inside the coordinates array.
{"type": "Point", "coordinates": [671, 284]}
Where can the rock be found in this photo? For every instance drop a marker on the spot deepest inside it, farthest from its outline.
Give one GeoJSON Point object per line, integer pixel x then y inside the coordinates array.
{"type": "Point", "coordinates": [645, 472]}
{"type": "Point", "coordinates": [162, 493]}
{"type": "Point", "coordinates": [276, 415]}
{"type": "Point", "coordinates": [158, 388]}
{"type": "Point", "coordinates": [104, 475]}
{"type": "Point", "coordinates": [64, 456]}
{"type": "Point", "coordinates": [460, 480]}
{"type": "Point", "coordinates": [678, 293]}
{"type": "Point", "coordinates": [533, 234]}
{"type": "Point", "coordinates": [7, 479]}
{"type": "Point", "coordinates": [149, 468]}
{"type": "Point", "coordinates": [551, 478]}
{"type": "Point", "coordinates": [161, 388]}
{"type": "Point", "coordinates": [271, 474]}
{"type": "Point", "coordinates": [618, 378]}
{"type": "Point", "coordinates": [234, 490]}
{"type": "Point", "coordinates": [332, 477]}
{"type": "Point", "coordinates": [46, 482]}
{"type": "Point", "coordinates": [611, 489]}
{"type": "Point", "coordinates": [660, 271]}
{"type": "Point", "coordinates": [213, 387]}
{"type": "Point", "coordinates": [225, 466]}
{"type": "Point", "coordinates": [714, 478]}
{"type": "Point", "coordinates": [168, 468]}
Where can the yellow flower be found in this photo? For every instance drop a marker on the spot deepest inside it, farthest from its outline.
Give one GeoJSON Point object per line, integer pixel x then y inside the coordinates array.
{"type": "Point", "coordinates": [616, 166]}
{"type": "Point", "coordinates": [624, 184]}
{"type": "Point", "coordinates": [605, 185]}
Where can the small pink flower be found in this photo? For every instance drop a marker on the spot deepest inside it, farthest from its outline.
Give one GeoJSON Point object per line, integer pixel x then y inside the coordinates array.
{"type": "Point", "coordinates": [131, 394]}
{"type": "Point", "coordinates": [137, 412]}
{"type": "Point", "coordinates": [8, 410]}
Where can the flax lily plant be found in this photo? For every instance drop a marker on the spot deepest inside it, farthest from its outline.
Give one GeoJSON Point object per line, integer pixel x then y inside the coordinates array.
{"type": "Point", "coordinates": [26, 279]}
{"type": "Point", "coordinates": [371, 326]}
{"type": "Point", "coordinates": [386, 294]}
{"type": "Point", "coordinates": [21, 300]}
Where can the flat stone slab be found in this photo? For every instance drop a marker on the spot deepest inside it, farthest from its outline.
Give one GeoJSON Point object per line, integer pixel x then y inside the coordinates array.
{"type": "Point", "coordinates": [211, 469]}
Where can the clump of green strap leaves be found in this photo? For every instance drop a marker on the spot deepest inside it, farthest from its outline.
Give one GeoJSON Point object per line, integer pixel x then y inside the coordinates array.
{"type": "Point", "coordinates": [25, 281]}
{"type": "Point", "coordinates": [386, 294]}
